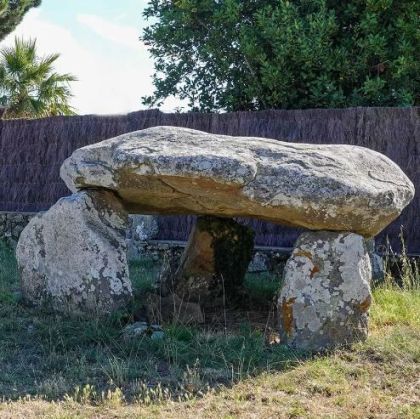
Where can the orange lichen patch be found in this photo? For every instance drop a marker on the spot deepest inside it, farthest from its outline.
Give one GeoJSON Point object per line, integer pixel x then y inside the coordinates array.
{"type": "Point", "coordinates": [314, 270]}
{"type": "Point", "coordinates": [304, 254]}
{"type": "Point", "coordinates": [364, 305]}
{"type": "Point", "coordinates": [287, 314]}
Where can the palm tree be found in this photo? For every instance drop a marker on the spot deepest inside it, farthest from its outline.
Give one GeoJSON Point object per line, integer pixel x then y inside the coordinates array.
{"type": "Point", "coordinates": [29, 86]}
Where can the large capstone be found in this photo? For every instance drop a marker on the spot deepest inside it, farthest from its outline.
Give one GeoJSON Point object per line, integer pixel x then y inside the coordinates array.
{"type": "Point", "coordinates": [73, 257]}
{"type": "Point", "coordinates": [170, 170]}
{"type": "Point", "coordinates": [326, 295]}
{"type": "Point", "coordinates": [214, 262]}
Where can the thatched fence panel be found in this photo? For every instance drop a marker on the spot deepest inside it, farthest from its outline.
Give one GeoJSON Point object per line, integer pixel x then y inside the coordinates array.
{"type": "Point", "coordinates": [32, 152]}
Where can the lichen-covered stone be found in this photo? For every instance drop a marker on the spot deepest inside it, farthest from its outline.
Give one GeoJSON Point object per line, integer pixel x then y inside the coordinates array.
{"type": "Point", "coordinates": [171, 170]}
{"type": "Point", "coordinates": [259, 263]}
{"type": "Point", "coordinates": [142, 330]}
{"type": "Point", "coordinates": [214, 261]}
{"type": "Point", "coordinates": [73, 257]}
{"type": "Point", "coordinates": [142, 228]}
{"type": "Point", "coordinates": [326, 295]}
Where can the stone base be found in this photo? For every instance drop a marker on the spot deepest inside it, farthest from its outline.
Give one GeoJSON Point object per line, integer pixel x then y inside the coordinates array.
{"type": "Point", "coordinates": [73, 257]}
{"type": "Point", "coordinates": [326, 295]}
{"type": "Point", "coordinates": [215, 260]}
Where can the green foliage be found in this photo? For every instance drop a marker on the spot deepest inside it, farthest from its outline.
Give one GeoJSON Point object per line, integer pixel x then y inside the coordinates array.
{"type": "Point", "coordinates": [143, 274]}
{"type": "Point", "coordinates": [12, 12]}
{"type": "Point", "coordinates": [29, 86]}
{"type": "Point", "coordinates": [261, 54]}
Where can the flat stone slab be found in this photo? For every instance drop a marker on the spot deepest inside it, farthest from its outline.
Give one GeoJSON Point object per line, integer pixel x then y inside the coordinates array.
{"type": "Point", "coordinates": [171, 170]}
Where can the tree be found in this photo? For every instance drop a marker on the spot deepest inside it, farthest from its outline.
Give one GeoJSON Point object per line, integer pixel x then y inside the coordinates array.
{"type": "Point", "coordinates": [260, 54]}
{"type": "Point", "coordinates": [29, 86]}
{"type": "Point", "coordinates": [12, 12]}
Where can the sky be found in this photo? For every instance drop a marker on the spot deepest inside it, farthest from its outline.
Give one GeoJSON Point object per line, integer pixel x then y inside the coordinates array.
{"type": "Point", "coordinates": [99, 43]}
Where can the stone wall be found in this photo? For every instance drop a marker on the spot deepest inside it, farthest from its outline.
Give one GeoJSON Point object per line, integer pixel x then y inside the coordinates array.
{"type": "Point", "coordinates": [265, 259]}
{"type": "Point", "coordinates": [12, 224]}
{"type": "Point", "coordinates": [143, 244]}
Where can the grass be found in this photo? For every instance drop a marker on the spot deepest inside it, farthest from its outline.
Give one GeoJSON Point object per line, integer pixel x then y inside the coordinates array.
{"type": "Point", "coordinates": [57, 367]}
{"type": "Point", "coordinates": [262, 286]}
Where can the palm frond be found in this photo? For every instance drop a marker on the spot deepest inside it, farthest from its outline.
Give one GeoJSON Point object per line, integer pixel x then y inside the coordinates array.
{"type": "Point", "coordinates": [29, 86]}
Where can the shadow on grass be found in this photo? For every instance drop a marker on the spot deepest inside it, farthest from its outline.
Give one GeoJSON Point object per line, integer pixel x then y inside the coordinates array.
{"type": "Point", "coordinates": [49, 355]}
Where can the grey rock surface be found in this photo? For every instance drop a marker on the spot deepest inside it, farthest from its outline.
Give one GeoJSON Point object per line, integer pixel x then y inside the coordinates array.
{"type": "Point", "coordinates": [73, 257]}
{"type": "Point", "coordinates": [259, 263]}
{"type": "Point", "coordinates": [143, 329]}
{"type": "Point", "coordinates": [171, 170]}
{"type": "Point", "coordinates": [134, 330]}
{"type": "Point", "coordinates": [377, 262]}
{"type": "Point", "coordinates": [326, 295]}
{"type": "Point", "coordinates": [142, 228]}
{"type": "Point", "coordinates": [378, 268]}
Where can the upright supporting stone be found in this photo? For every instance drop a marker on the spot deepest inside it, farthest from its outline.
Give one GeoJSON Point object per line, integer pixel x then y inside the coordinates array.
{"type": "Point", "coordinates": [326, 293]}
{"type": "Point", "coordinates": [73, 257]}
{"type": "Point", "coordinates": [215, 260]}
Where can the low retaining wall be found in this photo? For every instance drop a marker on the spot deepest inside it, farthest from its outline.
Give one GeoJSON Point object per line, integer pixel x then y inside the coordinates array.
{"type": "Point", "coordinates": [266, 259]}
{"type": "Point", "coordinates": [12, 224]}
{"type": "Point", "coordinates": [142, 244]}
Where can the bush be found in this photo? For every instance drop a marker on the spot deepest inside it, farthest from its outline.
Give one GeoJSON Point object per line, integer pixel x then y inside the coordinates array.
{"type": "Point", "coordinates": [251, 55]}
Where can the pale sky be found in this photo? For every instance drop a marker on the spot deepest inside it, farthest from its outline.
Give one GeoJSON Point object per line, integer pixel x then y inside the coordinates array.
{"type": "Point", "coordinates": [99, 43]}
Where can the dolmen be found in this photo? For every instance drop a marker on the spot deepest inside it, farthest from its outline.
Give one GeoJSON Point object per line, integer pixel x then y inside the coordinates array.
{"type": "Point", "coordinates": [73, 257]}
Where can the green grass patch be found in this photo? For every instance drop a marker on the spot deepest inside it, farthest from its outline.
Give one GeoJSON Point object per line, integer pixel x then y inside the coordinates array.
{"type": "Point", "coordinates": [394, 306]}
{"type": "Point", "coordinates": [262, 286]}
{"type": "Point", "coordinates": [9, 283]}
{"type": "Point", "coordinates": [143, 274]}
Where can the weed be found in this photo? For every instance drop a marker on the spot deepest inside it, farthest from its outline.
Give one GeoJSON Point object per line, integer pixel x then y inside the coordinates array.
{"type": "Point", "coordinates": [401, 270]}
